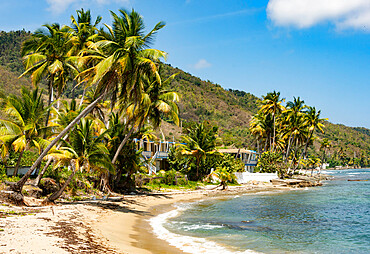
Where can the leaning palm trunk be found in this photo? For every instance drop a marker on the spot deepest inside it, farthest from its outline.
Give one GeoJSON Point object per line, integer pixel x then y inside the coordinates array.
{"type": "Point", "coordinates": [120, 147]}
{"type": "Point", "coordinates": [17, 187]}
{"type": "Point", "coordinates": [57, 194]}
{"type": "Point", "coordinates": [41, 174]}
{"type": "Point", "coordinates": [83, 97]}
{"type": "Point", "coordinates": [50, 100]}
{"type": "Point", "coordinates": [18, 163]}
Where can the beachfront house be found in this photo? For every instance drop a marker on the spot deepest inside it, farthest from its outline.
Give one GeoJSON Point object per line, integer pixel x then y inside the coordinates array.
{"type": "Point", "coordinates": [248, 157]}
{"type": "Point", "coordinates": [155, 154]}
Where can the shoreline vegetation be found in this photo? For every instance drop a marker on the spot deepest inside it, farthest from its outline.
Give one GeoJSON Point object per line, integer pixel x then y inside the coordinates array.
{"type": "Point", "coordinates": [85, 150]}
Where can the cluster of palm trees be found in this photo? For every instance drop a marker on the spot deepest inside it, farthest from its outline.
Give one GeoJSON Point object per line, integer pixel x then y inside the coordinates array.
{"type": "Point", "coordinates": [123, 93]}
{"type": "Point", "coordinates": [288, 129]}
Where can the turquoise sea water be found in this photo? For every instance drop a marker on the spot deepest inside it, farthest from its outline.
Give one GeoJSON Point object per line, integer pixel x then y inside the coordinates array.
{"type": "Point", "coordinates": [334, 218]}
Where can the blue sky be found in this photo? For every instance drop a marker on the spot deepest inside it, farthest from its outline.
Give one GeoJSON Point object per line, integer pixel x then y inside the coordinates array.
{"type": "Point", "coordinates": [318, 50]}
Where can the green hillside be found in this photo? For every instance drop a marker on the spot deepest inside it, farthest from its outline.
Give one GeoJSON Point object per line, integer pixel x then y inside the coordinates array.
{"type": "Point", "coordinates": [202, 100]}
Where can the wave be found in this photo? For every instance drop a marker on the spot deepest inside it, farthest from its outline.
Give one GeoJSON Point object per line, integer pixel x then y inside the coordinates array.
{"type": "Point", "coordinates": [188, 244]}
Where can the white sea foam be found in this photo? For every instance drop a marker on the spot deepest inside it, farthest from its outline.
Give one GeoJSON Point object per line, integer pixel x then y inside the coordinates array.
{"type": "Point", "coordinates": [204, 226]}
{"type": "Point", "coordinates": [236, 196]}
{"type": "Point", "coordinates": [187, 244]}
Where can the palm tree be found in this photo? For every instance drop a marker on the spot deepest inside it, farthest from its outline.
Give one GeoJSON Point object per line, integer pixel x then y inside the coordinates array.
{"type": "Point", "coordinates": [154, 104]}
{"type": "Point", "coordinates": [46, 55]}
{"type": "Point", "coordinates": [224, 175]}
{"type": "Point", "coordinates": [325, 145]}
{"type": "Point", "coordinates": [121, 62]}
{"type": "Point", "coordinates": [84, 32]}
{"type": "Point", "coordinates": [262, 126]}
{"type": "Point", "coordinates": [293, 124]}
{"type": "Point", "coordinates": [65, 115]}
{"type": "Point", "coordinates": [313, 122]}
{"type": "Point", "coordinates": [271, 104]}
{"type": "Point", "coordinates": [199, 142]}
{"type": "Point", "coordinates": [84, 152]}
{"type": "Point", "coordinates": [123, 56]}
{"type": "Point", "coordinates": [24, 126]}
{"type": "Point", "coordinates": [314, 162]}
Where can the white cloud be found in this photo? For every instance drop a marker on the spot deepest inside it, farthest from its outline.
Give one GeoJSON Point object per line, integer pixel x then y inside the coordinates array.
{"type": "Point", "coordinates": [59, 6]}
{"type": "Point", "coordinates": [201, 64]}
{"type": "Point", "coordinates": [344, 14]}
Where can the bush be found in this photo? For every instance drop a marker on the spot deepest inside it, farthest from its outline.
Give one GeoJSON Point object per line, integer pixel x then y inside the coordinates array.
{"type": "Point", "coordinates": [169, 177]}
{"type": "Point", "coordinates": [271, 162]}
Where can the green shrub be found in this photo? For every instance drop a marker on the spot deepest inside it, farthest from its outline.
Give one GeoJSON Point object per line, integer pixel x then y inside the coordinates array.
{"type": "Point", "coordinates": [271, 162]}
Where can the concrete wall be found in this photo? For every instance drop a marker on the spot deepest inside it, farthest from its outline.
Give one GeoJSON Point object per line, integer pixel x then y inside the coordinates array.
{"type": "Point", "coordinates": [245, 177]}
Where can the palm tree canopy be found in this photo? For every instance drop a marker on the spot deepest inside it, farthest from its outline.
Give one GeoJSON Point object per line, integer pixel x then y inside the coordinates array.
{"type": "Point", "coordinates": [85, 149]}
{"type": "Point", "coordinates": [25, 117]}
{"type": "Point", "coordinates": [123, 56]}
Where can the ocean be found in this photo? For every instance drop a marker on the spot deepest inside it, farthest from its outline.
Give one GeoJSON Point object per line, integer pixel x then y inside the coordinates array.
{"type": "Point", "coordinates": [333, 218]}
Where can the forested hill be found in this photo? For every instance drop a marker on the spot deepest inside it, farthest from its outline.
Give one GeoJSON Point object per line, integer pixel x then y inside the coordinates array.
{"type": "Point", "coordinates": [10, 46]}
{"type": "Point", "coordinates": [201, 100]}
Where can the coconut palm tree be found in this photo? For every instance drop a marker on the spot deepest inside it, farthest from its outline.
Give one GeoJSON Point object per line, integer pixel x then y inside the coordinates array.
{"type": "Point", "coordinates": [314, 122]}
{"type": "Point", "coordinates": [292, 122]}
{"type": "Point", "coordinates": [84, 32]}
{"type": "Point", "coordinates": [262, 126]}
{"type": "Point", "coordinates": [271, 104]}
{"type": "Point", "coordinates": [199, 142]}
{"type": "Point", "coordinates": [84, 152]}
{"type": "Point", "coordinates": [23, 128]}
{"type": "Point", "coordinates": [65, 115]}
{"type": "Point", "coordinates": [123, 56]}
{"type": "Point", "coordinates": [46, 56]}
{"type": "Point", "coordinates": [154, 104]}
{"type": "Point", "coordinates": [325, 144]}
{"type": "Point", "coordinates": [224, 176]}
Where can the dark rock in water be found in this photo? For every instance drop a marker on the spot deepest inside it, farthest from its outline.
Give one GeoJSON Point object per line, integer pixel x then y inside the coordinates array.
{"type": "Point", "coordinates": [247, 221]}
{"type": "Point", "coordinates": [301, 181]}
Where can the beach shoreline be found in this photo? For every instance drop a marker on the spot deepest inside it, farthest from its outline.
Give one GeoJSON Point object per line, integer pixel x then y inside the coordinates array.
{"type": "Point", "coordinates": [138, 237]}
{"type": "Point", "coordinates": [103, 226]}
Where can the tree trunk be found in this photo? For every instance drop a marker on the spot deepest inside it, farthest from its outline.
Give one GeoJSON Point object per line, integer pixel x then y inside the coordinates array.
{"type": "Point", "coordinates": [273, 139]}
{"type": "Point", "coordinates": [303, 154]}
{"type": "Point", "coordinates": [18, 163]}
{"type": "Point", "coordinates": [41, 174]}
{"type": "Point", "coordinates": [17, 187]}
{"type": "Point", "coordinates": [270, 142]}
{"type": "Point", "coordinates": [57, 194]}
{"type": "Point", "coordinates": [119, 149]}
{"type": "Point", "coordinates": [51, 91]}
{"type": "Point", "coordinates": [288, 149]}
{"type": "Point", "coordinates": [83, 97]}
{"type": "Point", "coordinates": [198, 162]}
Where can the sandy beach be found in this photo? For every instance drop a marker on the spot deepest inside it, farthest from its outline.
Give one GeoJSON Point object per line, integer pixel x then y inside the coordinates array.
{"type": "Point", "coordinates": [118, 225]}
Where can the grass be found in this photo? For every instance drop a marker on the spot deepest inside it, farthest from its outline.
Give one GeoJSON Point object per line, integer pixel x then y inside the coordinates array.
{"type": "Point", "coordinates": [191, 185]}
